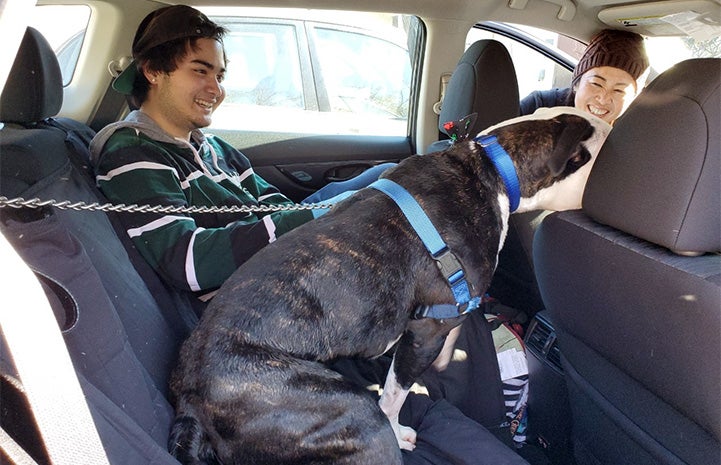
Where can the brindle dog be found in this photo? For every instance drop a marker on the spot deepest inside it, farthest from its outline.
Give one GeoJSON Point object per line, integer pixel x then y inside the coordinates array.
{"type": "Point", "coordinates": [252, 385]}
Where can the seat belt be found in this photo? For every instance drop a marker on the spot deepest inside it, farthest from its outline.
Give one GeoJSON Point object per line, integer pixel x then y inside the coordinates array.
{"type": "Point", "coordinates": [14, 451]}
{"type": "Point", "coordinates": [41, 359]}
{"type": "Point", "coordinates": [445, 79]}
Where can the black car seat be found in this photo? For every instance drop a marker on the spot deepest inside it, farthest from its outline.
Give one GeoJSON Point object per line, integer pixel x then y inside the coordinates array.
{"type": "Point", "coordinates": [484, 82]}
{"type": "Point", "coordinates": [633, 281]}
{"type": "Point", "coordinates": [122, 343]}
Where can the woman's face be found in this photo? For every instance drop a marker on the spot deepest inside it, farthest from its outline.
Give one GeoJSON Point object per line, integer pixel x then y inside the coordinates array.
{"type": "Point", "coordinates": [605, 92]}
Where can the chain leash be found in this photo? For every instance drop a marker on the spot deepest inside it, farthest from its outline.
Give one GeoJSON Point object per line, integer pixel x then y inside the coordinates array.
{"type": "Point", "coordinates": [20, 202]}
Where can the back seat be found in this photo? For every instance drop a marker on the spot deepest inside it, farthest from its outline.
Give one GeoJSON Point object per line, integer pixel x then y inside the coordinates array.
{"type": "Point", "coordinates": [122, 326]}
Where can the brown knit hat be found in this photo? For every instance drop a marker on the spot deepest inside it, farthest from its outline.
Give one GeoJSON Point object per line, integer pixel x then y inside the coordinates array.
{"type": "Point", "coordinates": [612, 47]}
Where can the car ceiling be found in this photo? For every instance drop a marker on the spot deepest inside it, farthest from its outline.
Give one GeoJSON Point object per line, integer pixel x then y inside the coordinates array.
{"type": "Point", "coordinates": [574, 18]}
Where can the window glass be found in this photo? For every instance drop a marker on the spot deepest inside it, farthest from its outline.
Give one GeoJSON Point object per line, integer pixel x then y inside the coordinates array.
{"type": "Point", "coordinates": [264, 75]}
{"type": "Point", "coordinates": [64, 27]}
{"type": "Point", "coordinates": [315, 71]}
{"type": "Point", "coordinates": [536, 71]}
{"type": "Point", "coordinates": [664, 52]}
{"type": "Point", "coordinates": [364, 74]}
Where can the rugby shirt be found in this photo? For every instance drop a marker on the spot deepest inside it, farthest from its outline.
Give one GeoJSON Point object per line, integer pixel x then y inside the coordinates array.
{"type": "Point", "coordinates": [136, 162]}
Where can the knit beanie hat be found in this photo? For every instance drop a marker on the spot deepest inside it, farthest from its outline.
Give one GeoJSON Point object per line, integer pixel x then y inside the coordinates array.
{"type": "Point", "coordinates": [612, 47]}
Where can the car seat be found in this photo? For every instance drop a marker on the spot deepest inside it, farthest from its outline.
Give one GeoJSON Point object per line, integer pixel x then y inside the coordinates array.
{"type": "Point", "coordinates": [633, 281]}
{"type": "Point", "coordinates": [484, 82]}
{"type": "Point", "coordinates": [122, 343]}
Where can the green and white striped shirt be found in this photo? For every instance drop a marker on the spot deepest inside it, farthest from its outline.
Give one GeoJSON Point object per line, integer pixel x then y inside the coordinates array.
{"type": "Point", "coordinates": [138, 163]}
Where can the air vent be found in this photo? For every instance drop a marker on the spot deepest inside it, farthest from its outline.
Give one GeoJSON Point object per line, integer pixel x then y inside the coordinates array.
{"type": "Point", "coordinates": [554, 355]}
{"type": "Point", "coordinates": [538, 337]}
{"type": "Point", "coordinates": [542, 341]}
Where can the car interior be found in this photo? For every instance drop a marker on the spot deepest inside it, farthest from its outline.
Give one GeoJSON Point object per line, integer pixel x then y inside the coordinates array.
{"type": "Point", "coordinates": [618, 303]}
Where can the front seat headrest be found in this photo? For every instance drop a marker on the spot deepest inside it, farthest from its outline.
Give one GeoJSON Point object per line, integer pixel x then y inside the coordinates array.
{"type": "Point", "coordinates": [658, 175]}
{"type": "Point", "coordinates": [34, 89]}
{"type": "Point", "coordinates": [483, 82]}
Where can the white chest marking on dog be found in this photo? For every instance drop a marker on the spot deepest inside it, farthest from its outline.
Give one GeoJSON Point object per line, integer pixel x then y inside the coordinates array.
{"type": "Point", "coordinates": [505, 208]}
{"type": "Point", "coordinates": [390, 403]}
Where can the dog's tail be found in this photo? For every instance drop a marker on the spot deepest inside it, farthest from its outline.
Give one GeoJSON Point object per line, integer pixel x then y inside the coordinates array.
{"type": "Point", "coordinates": [188, 443]}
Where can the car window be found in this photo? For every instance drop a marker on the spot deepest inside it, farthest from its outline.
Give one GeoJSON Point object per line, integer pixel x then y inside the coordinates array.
{"type": "Point", "coordinates": [264, 75]}
{"type": "Point", "coordinates": [64, 27]}
{"type": "Point", "coordinates": [314, 72]}
{"type": "Point", "coordinates": [363, 74]}
{"type": "Point", "coordinates": [545, 60]}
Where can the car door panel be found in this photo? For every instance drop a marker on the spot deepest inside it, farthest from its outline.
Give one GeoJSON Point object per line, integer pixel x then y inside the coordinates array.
{"type": "Point", "coordinates": [301, 165]}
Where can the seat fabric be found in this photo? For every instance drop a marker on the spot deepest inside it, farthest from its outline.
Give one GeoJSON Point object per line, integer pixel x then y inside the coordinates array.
{"type": "Point", "coordinates": [121, 342]}
{"type": "Point", "coordinates": [483, 82]}
{"type": "Point", "coordinates": [633, 281]}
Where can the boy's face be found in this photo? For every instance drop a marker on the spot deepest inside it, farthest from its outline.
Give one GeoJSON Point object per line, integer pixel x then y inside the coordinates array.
{"type": "Point", "coordinates": [185, 99]}
{"type": "Point", "coordinates": [605, 92]}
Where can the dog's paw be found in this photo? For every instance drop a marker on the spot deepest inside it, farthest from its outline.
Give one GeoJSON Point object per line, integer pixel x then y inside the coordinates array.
{"type": "Point", "coordinates": [406, 437]}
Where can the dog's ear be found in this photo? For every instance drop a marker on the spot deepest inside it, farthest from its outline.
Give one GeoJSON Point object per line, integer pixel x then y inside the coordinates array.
{"type": "Point", "coordinates": [568, 153]}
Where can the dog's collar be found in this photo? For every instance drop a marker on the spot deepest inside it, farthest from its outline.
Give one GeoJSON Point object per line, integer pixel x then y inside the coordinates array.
{"type": "Point", "coordinates": [504, 165]}
{"type": "Point", "coordinates": [447, 262]}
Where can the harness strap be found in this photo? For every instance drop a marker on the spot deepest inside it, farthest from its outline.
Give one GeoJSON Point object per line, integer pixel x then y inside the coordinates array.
{"type": "Point", "coordinates": [504, 166]}
{"type": "Point", "coordinates": [447, 262]}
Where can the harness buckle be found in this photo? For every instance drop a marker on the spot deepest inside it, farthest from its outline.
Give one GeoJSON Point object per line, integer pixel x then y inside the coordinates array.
{"type": "Point", "coordinates": [421, 312]}
{"type": "Point", "coordinates": [449, 265]}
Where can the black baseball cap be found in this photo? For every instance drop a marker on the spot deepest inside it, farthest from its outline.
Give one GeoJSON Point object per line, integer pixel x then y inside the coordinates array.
{"type": "Point", "coordinates": [159, 27]}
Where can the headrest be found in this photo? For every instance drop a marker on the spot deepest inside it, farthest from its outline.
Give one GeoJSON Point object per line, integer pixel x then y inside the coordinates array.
{"type": "Point", "coordinates": [34, 89]}
{"type": "Point", "coordinates": [483, 82]}
{"type": "Point", "coordinates": [658, 175]}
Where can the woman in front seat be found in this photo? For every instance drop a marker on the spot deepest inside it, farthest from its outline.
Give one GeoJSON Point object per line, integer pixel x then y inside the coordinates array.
{"type": "Point", "coordinates": [609, 75]}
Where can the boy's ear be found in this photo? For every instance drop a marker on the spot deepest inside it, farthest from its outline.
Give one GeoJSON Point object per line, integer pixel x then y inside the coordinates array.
{"type": "Point", "coordinates": [151, 76]}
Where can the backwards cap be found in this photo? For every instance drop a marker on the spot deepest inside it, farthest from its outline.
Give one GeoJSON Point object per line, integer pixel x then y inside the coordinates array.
{"type": "Point", "coordinates": [159, 27]}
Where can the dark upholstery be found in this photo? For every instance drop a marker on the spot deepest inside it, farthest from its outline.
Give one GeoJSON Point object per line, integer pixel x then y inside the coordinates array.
{"type": "Point", "coordinates": [639, 325]}
{"type": "Point", "coordinates": [665, 187]}
{"type": "Point", "coordinates": [34, 89]}
{"type": "Point", "coordinates": [483, 82]}
{"type": "Point", "coordinates": [121, 341]}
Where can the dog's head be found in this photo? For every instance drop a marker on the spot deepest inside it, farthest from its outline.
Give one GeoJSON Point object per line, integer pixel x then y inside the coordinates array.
{"type": "Point", "coordinates": [553, 151]}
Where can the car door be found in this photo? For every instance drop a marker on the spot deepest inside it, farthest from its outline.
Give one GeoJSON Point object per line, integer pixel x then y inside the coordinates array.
{"type": "Point", "coordinates": [313, 98]}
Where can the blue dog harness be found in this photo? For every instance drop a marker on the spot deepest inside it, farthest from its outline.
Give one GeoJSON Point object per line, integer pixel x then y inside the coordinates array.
{"type": "Point", "coordinates": [447, 262]}
{"type": "Point", "coordinates": [504, 166]}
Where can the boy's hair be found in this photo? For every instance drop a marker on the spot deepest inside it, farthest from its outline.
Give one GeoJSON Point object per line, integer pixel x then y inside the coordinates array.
{"type": "Point", "coordinates": [164, 38]}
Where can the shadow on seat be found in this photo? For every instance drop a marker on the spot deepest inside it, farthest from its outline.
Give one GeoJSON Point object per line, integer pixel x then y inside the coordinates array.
{"type": "Point", "coordinates": [633, 281]}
